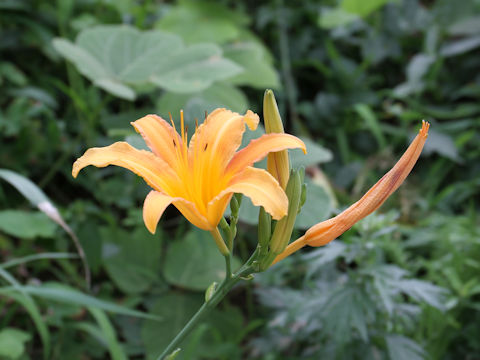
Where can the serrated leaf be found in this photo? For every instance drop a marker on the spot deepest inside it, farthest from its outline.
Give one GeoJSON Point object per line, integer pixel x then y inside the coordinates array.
{"type": "Point", "coordinates": [424, 291]}
{"type": "Point", "coordinates": [402, 348]}
{"type": "Point", "coordinates": [458, 47]}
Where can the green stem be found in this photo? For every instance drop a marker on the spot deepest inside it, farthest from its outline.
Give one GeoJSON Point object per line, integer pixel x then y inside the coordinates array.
{"type": "Point", "coordinates": [219, 294]}
{"type": "Point", "coordinates": [220, 242]}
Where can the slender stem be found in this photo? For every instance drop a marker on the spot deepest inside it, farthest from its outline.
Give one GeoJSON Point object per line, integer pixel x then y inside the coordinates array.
{"type": "Point", "coordinates": [219, 294]}
{"type": "Point", "coordinates": [228, 266]}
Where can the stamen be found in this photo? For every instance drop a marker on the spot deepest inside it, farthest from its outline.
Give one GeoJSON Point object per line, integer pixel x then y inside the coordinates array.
{"type": "Point", "coordinates": [171, 120]}
{"type": "Point", "coordinates": [206, 114]}
{"type": "Point", "coordinates": [205, 148]}
{"type": "Point", "coordinates": [182, 124]}
{"type": "Point", "coordinates": [196, 124]}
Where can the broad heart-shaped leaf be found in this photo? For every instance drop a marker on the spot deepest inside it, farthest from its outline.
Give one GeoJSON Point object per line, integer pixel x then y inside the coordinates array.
{"type": "Point", "coordinates": [117, 57]}
{"type": "Point", "coordinates": [193, 69]}
{"type": "Point", "coordinates": [212, 339]}
{"type": "Point", "coordinates": [12, 343]}
{"type": "Point", "coordinates": [194, 262]}
{"type": "Point", "coordinates": [132, 259]}
{"type": "Point", "coordinates": [175, 311]}
{"type": "Point", "coordinates": [194, 105]}
{"type": "Point", "coordinates": [203, 21]}
{"type": "Point", "coordinates": [25, 224]}
{"type": "Point", "coordinates": [259, 72]}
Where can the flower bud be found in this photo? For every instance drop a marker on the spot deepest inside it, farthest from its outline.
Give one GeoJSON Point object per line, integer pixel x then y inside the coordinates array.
{"type": "Point", "coordinates": [277, 162]}
{"type": "Point", "coordinates": [284, 227]}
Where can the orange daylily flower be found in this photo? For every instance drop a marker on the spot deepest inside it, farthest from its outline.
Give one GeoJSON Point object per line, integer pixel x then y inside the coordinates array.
{"type": "Point", "coordinates": [198, 178]}
{"type": "Point", "coordinates": [326, 231]}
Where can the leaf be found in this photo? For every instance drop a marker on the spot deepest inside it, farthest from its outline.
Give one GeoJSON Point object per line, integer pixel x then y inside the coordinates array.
{"type": "Point", "coordinates": [203, 21]}
{"type": "Point", "coordinates": [194, 105]}
{"type": "Point", "coordinates": [193, 69]}
{"type": "Point", "coordinates": [132, 259]}
{"type": "Point", "coordinates": [12, 342]}
{"type": "Point", "coordinates": [117, 57]}
{"type": "Point", "coordinates": [194, 262]}
{"type": "Point", "coordinates": [43, 256]}
{"type": "Point", "coordinates": [175, 311]}
{"type": "Point", "coordinates": [458, 47]}
{"type": "Point", "coordinates": [441, 144]}
{"type": "Point", "coordinates": [468, 26]}
{"type": "Point", "coordinates": [424, 291]}
{"type": "Point", "coordinates": [347, 308]}
{"type": "Point", "coordinates": [335, 17]}
{"type": "Point", "coordinates": [370, 119]}
{"type": "Point", "coordinates": [64, 294]}
{"type": "Point", "coordinates": [363, 7]}
{"type": "Point", "coordinates": [36, 196]}
{"type": "Point", "coordinates": [26, 225]}
{"type": "Point", "coordinates": [115, 349]}
{"type": "Point", "coordinates": [402, 348]}
{"type": "Point", "coordinates": [316, 154]}
{"type": "Point", "coordinates": [26, 187]}
{"type": "Point", "coordinates": [317, 207]}
{"type": "Point", "coordinates": [258, 71]}
{"type": "Point", "coordinates": [29, 304]}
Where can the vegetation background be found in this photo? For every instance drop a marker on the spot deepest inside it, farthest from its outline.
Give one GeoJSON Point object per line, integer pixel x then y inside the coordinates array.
{"type": "Point", "coordinates": [353, 78]}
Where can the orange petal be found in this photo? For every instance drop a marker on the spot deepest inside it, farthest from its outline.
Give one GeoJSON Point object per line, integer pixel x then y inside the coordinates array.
{"type": "Point", "coordinates": [192, 214]}
{"type": "Point", "coordinates": [156, 203]}
{"type": "Point", "coordinates": [259, 148]}
{"type": "Point", "coordinates": [154, 170]}
{"type": "Point", "coordinates": [159, 136]}
{"type": "Point", "coordinates": [153, 207]}
{"type": "Point", "coordinates": [260, 187]}
{"type": "Point", "coordinates": [327, 231]}
{"type": "Point", "coordinates": [220, 135]}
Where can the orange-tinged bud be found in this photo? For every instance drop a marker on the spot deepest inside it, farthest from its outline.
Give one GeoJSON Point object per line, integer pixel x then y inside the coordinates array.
{"type": "Point", "coordinates": [326, 231]}
{"type": "Point", "coordinates": [277, 162]}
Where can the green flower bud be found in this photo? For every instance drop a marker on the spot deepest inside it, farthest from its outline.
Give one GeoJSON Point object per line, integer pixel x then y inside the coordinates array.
{"type": "Point", "coordinates": [284, 227]}
{"type": "Point", "coordinates": [277, 162]}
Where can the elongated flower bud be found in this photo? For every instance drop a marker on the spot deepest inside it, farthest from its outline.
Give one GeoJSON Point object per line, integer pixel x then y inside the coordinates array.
{"type": "Point", "coordinates": [326, 231]}
{"type": "Point", "coordinates": [277, 162]}
{"type": "Point", "coordinates": [284, 227]}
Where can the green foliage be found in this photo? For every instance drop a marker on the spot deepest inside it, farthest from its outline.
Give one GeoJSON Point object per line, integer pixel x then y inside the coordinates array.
{"type": "Point", "coordinates": [114, 57]}
{"type": "Point", "coordinates": [200, 264]}
{"type": "Point", "coordinates": [12, 343]}
{"type": "Point", "coordinates": [353, 79]}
